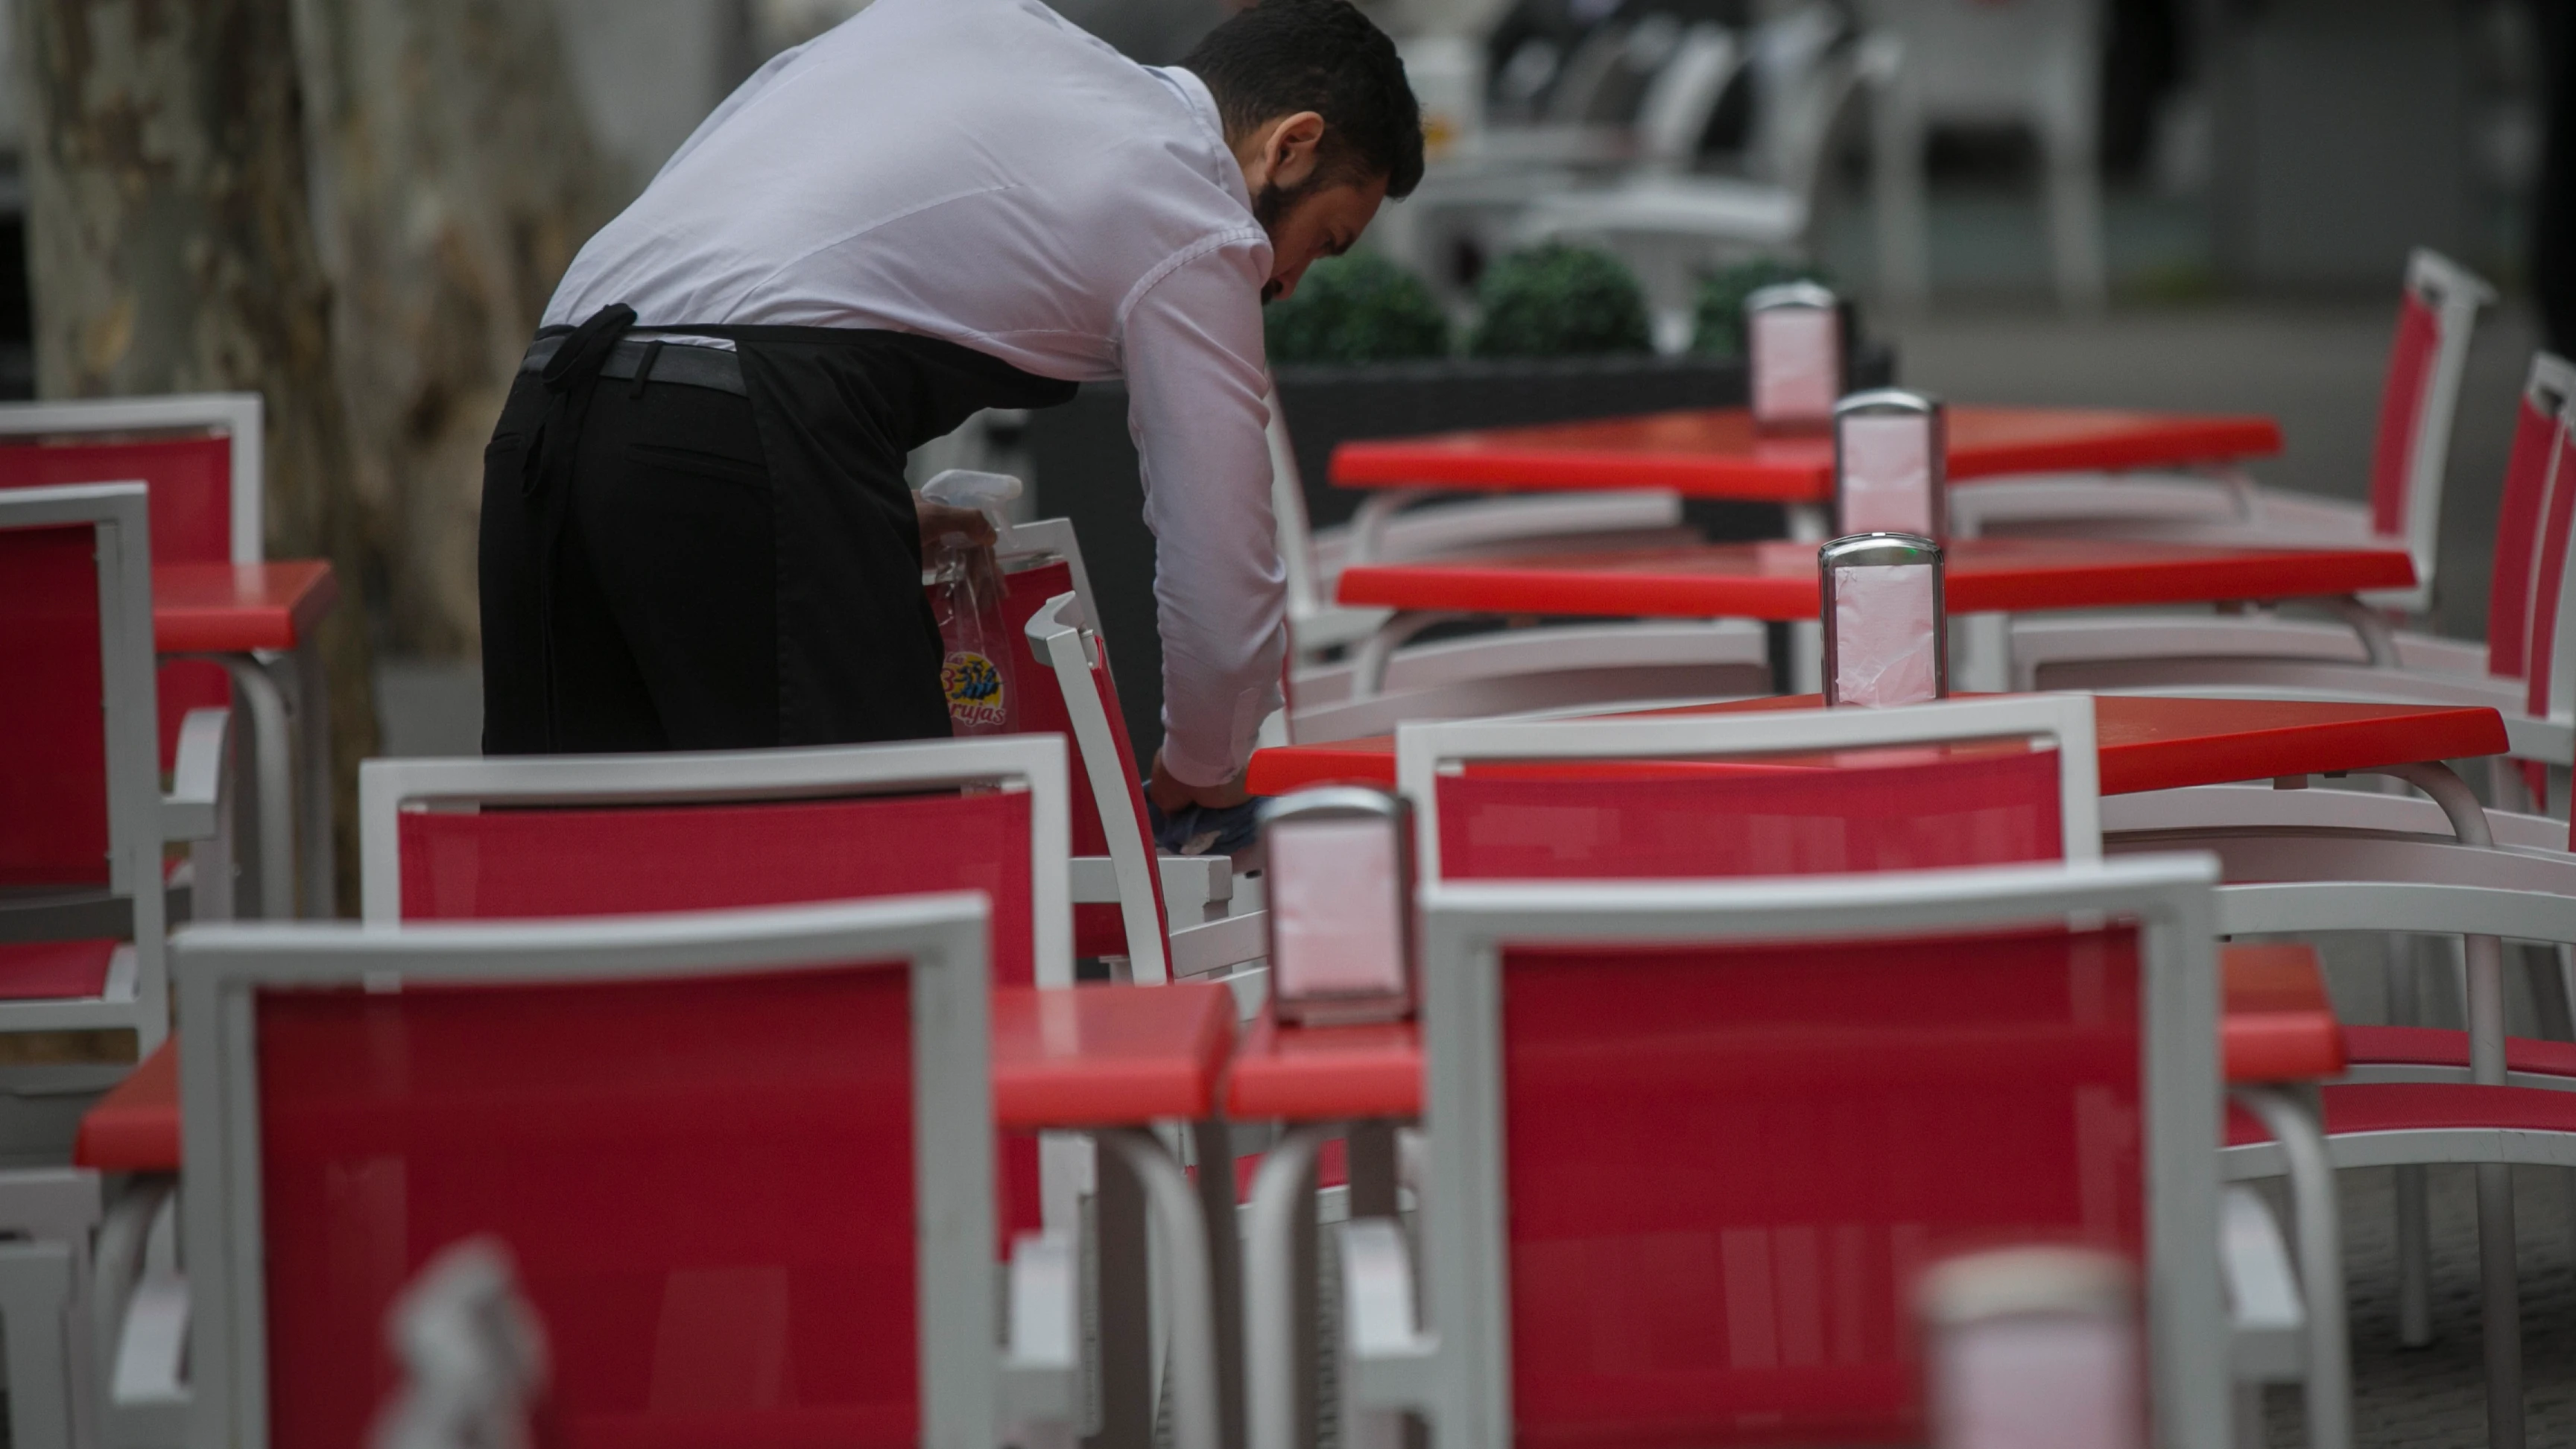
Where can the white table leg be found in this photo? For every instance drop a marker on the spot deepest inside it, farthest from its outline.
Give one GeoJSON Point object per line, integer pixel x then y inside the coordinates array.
{"type": "Point", "coordinates": [313, 778]}
{"type": "Point", "coordinates": [273, 770]}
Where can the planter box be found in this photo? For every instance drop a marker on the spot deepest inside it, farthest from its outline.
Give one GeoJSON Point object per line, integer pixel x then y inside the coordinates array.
{"type": "Point", "coordinates": [1085, 464]}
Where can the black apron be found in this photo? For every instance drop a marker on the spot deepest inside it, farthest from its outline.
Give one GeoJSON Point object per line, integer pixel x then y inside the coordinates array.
{"type": "Point", "coordinates": [675, 566]}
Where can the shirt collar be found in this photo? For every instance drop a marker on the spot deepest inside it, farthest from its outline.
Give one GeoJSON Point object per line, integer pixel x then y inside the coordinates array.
{"type": "Point", "coordinates": [1223, 168]}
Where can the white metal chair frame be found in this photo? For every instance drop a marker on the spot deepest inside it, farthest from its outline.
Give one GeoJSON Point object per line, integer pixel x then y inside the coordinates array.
{"type": "Point", "coordinates": [1495, 673]}
{"type": "Point", "coordinates": [1455, 1369]}
{"type": "Point", "coordinates": [2164, 648]}
{"type": "Point", "coordinates": [970, 1384]}
{"type": "Point", "coordinates": [2231, 509]}
{"type": "Point", "coordinates": [2480, 913]}
{"type": "Point", "coordinates": [1197, 890]}
{"type": "Point", "coordinates": [285, 697]}
{"type": "Point", "coordinates": [1218, 943]}
{"type": "Point", "coordinates": [1423, 752]}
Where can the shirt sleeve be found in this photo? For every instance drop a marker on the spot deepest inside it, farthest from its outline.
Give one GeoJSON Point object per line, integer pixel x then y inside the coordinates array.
{"type": "Point", "coordinates": [1196, 384]}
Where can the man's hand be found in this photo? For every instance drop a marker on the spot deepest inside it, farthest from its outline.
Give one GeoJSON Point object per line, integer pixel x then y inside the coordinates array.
{"type": "Point", "coordinates": [1171, 795]}
{"type": "Point", "coordinates": [938, 520]}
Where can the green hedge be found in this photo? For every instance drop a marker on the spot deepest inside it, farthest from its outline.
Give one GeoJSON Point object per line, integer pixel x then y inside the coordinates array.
{"type": "Point", "coordinates": [1560, 301]}
{"type": "Point", "coordinates": [1359, 308]}
{"type": "Point", "coordinates": [1717, 320]}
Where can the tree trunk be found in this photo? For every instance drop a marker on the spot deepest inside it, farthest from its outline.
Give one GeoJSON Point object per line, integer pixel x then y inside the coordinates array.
{"type": "Point", "coordinates": [170, 249]}
{"type": "Point", "coordinates": [454, 175]}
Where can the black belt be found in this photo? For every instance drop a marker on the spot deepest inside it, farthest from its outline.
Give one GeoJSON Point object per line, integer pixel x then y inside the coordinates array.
{"type": "Point", "coordinates": [654, 360]}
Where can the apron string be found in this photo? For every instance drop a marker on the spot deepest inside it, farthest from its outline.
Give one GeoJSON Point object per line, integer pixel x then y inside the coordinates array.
{"type": "Point", "coordinates": [570, 377]}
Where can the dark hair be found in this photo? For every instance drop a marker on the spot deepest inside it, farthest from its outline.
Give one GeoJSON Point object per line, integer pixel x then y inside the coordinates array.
{"type": "Point", "coordinates": [1284, 56]}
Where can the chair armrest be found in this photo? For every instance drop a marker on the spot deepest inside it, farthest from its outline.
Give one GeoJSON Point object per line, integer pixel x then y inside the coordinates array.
{"type": "Point", "coordinates": [2266, 1320]}
{"type": "Point", "coordinates": [1387, 1357]}
{"type": "Point", "coordinates": [1215, 945]}
{"type": "Point", "coordinates": [1042, 1377]}
{"type": "Point", "coordinates": [1190, 882]}
{"type": "Point", "coordinates": [193, 809]}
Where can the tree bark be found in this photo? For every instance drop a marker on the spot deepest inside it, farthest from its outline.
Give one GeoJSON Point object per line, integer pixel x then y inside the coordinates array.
{"type": "Point", "coordinates": [170, 249]}
{"type": "Point", "coordinates": [454, 176]}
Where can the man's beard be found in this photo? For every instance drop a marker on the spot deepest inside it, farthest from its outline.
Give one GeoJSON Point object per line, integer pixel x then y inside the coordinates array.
{"type": "Point", "coordinates": [1269, 206]}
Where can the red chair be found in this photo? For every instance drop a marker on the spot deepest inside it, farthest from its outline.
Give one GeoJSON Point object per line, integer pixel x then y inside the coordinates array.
{"type": "Point", "coordinates": [84, 829]}
{"type": "Point", "coordinates": [2283, 658]}
{"type": "Point", "coordinates": [742, 1161]}
{"type": "Point", "coordinates": [2437, 312]}
{"type": "Point", "coordinates": [1963, 783]}
{"type": "Point", "coordinates": [1691, 1144]}
{"type": "Point", "coordinates": [189, 450]}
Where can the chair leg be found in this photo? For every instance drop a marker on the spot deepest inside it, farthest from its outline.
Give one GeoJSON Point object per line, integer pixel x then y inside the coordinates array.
{"type": "Point", "coordinates": [35, 1313]}
{"type": "Point", "coordinates": [2251, 1430]}
{"type": "Point", "coordinates": [2502, 1316]}
{"type": "Point", "coordinates": [2412, 1203]}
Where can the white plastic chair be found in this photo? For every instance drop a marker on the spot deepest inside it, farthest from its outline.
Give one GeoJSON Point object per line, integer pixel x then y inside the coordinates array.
{"type": "Point", "coordinates": [2036, 63]}
{"type": "Point", "coordinates": [1668, 227]}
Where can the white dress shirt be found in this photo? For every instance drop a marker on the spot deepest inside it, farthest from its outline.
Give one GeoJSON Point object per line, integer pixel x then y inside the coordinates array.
{"type": "Point", "coordinates": [984, 172]}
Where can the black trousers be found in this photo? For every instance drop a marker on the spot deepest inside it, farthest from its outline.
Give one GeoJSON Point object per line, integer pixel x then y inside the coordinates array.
{"type": "Point", "coordinates": [665, 581]}
{"type": "Point", "coordinates": [683, 567]}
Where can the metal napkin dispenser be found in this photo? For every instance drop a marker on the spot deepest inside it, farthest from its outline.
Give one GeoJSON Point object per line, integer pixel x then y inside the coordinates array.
{"type": "Point", "coordinates": [1340, 886]}
{"type": "Point", "coordinates": [1793, 341]}
{"type": "Point", "coordinates": [1887, 636]}
{"type": "Point", "coordinates": [1891, 455]}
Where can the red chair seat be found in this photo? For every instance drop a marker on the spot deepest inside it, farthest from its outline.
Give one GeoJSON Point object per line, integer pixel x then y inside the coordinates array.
{"type": "Point", "coordinates": [2433, 1046]}
{"type": "Point", "coordinates": [135, 1128]}
{"type": "Point", "coordinates": [2424, 1107]}
{"type": "Point", "coordinates": [54, 970]}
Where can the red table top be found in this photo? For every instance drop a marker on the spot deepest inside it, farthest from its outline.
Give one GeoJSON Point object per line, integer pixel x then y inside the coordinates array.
{"type": "Point", "coordinates": [2145, 742]}
{"type": "Point", "coordinates": [2276, 1026]}
{"type": "Point", "coordinates": [1090, 1056]}
{"type": "Point", "coordinates": [235, 608]}
{"type": "Point", "coordinates": [1109, 1056]}
{"type": "Point", "coordinates": [1715, 453]}
{"type": "Point", "coordinates": [1776, 580]}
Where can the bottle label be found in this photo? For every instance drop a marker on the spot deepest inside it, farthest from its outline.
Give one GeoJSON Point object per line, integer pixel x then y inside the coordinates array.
{"type": "Point", "coordinates": [974, 690]}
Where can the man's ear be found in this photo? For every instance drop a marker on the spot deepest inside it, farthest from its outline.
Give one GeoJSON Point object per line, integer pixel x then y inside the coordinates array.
{"type": "Point", "coordinates": [1289, 155]}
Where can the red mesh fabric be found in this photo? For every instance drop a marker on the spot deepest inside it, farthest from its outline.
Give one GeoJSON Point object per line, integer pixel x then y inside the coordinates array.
{"type": "Point", "coordinates": [623, 860]}
{"type": "Point", "coordinates": [190, 482]}
{"type": "Point", "coordinates": [55, 970]}
{"type": "Point", "coordinates": [53, 753]}
{"type": "Point", "coordinates": [1858, 811]}
{"type": "Point", "coordinates": [606, 861]}
{"type": "Point", "coordinates": [2401, 402]}
{"type": "Point", "coordinates": [707, 1186]}
{"type": "Point", "coordinates": [2549, 575]}
{"type": "Point", "coordinates": [1901, 1101]}
{"type": "Point", "coordinates": [2520, 540]}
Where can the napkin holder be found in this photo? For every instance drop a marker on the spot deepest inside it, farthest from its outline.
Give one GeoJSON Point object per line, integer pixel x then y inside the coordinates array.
{"type": "Point", "coordinates": [1891, 470]}
{"type": "Point", "coordinates": [1887, 636]}
{"type": "Point", "coordinates": [1340, 918]}
{"type": "Point", "coordinates": [1793, 341]}
{"type": "Point", "coordinates": [2033, 1345]}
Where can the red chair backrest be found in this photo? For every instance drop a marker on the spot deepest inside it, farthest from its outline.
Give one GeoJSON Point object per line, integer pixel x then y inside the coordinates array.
{"type": "Point", "coordinates": [53, 741]}
{"type": "Point", "coordinates": [2523, 545]}
{"type": "Point", "coordinates": [706, 1185]}
{"type": "Point", "coordinates": [1908, 808]}
{"type": "Point", "coordinates": [622, 860]}
{"type": "Point", "coordinates": [2549, 571]}
{"type": "Point", "coordinates": [189, 477]}
{"type": "Point", "coordinates": [615, 860]}
{"type": "Point", "coordinates": [1901, 1100]}
{"type": "Point", "coordinates": [2401, 412]}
